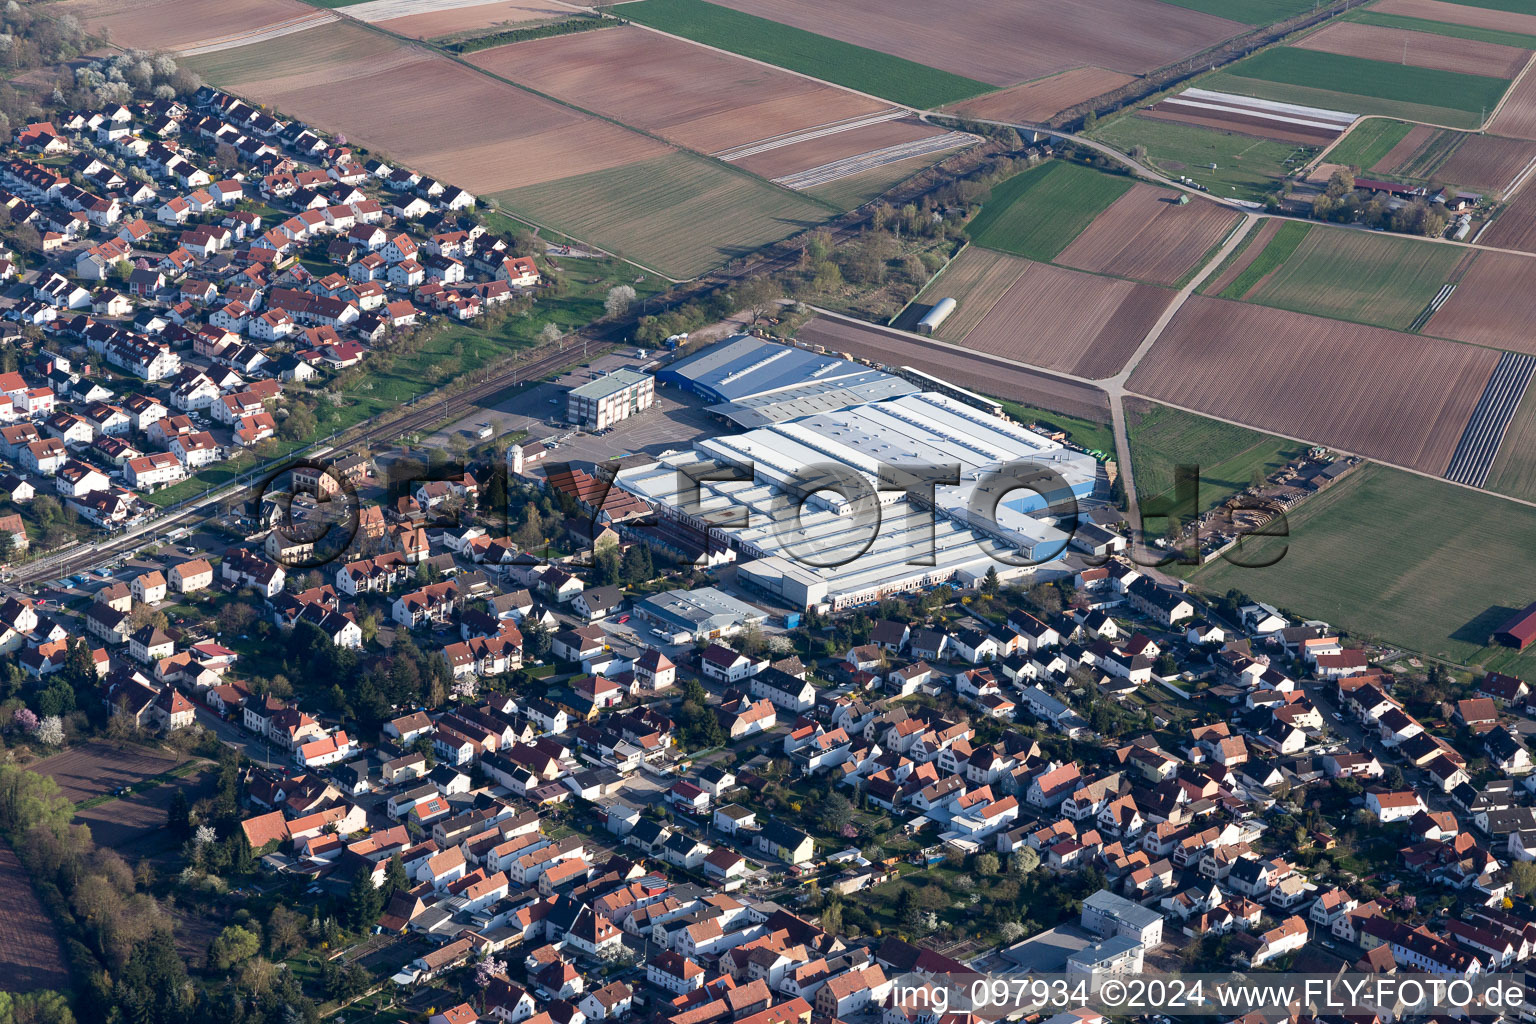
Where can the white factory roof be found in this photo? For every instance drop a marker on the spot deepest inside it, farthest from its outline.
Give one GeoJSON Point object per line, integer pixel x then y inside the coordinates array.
{"type": "Point", "coordinates": [843, 543]}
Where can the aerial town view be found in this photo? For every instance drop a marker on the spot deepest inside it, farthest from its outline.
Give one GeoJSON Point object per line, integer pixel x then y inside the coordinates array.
{"type": "Point", "coordinates": [767, 511]}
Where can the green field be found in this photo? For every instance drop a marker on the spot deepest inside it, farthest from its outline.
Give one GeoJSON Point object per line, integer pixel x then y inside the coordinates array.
{"type": "Point", "coordinates": [1089, 434]}
{"type": "Point", "coordinates": [1514, 469]}
{"type": "Point", "coordinates": [879, 74]}
{"type": "Point", "coordinates": [1246, 167]}
{"type": "Point", "coordinates": [1401, 558]}
{"type": "Point", "coordinates": [1363, 86]}
{"type": "Point", "coordinates": [1444, 28]}
{"type": "Point", "coordinates": [1249, 12]}
{"type": "Point", "coordinates": [680, 214]}
{"type": "Point", "coordinates": [1378, 279]}
{"type": "Point", "coordinates": [1368, 142]}
{"type": "Point", "coordinates": [1279, 249]}
{"type": "Point", "coordinates": [1228, 456]}
{"type": "Point", "coordinates": [1038, 213]}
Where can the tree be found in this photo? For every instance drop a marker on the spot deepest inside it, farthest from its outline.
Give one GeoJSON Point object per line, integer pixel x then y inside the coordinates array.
{"type": "Point", "coordinates": [986, 865]}
{"type": "Point", "coordinates": [834, 812]}
{"type": "Point", "coordinates": [51, 731]}
{"type": "Point", "coordinates": [989, 582]}
{"type": "Point", "coordinates": [231, 946]}
{"type": "Point", "coordinates": [395, 878]}
{"type": "Point", "coordinates": [606, 563]}
{"type": "Point", "coordinates": [285, 932]}
{"type": "Point", "coordinates": [44, 1007]}
{"type": "Point", "coordinates": [178, 817]}
{"type": "Point", "coordinates": [1522, 875]}
{"type": "Point", "coordinates": [365, 902]}
{"type": "Point", "coordinates": [620, 296]}
{"type": "Point", "coordinates": [1024, 861]}
{"type": "Point", "coordinates": [152, 987]}
{"type": "Point", "coordinates": [638, 567]}
{"type": "Point", "coordinates": [551, 334]}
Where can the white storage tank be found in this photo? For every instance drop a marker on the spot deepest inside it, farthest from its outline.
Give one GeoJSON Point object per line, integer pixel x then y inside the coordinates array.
{"type": "Point", "coordinates": [936, 315]}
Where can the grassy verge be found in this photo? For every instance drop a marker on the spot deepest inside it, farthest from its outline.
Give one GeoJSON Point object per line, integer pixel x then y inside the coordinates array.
{"type": "Point", "coordinates": [832, 60]}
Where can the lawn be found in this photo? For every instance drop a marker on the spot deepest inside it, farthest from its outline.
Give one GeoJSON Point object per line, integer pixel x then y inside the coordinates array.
{"type": "Point", "coordinates": [1085, 433]}
{"type": "Point", "coordinates": [1278, 250]}
{"type": "Point", "coordinates": [1368, 142]}
{"type": "Point", "coordinates": [879, 74]}
{"type": "Point", "coordinates": [1039, 212]}
{"type": "Point", "coordinates": [1227, 456]}
{"type": "Point", "coordinates": [1378, 279]}
{"type": "Point", "coordinates": [1249, 12]}
{"type": "Point", "coordinates": [1442, 28]}
{"type": "Point", "coordinates": [1401, 558]}
{"type": "Point", "coordinates": [1363, 86]}
{"type": "Point", "coordinates": [1246, 167]}
{"type": "Point", "coordinates": [680, 214]}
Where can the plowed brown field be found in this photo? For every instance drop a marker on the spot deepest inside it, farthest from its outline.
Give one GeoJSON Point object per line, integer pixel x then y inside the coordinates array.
{"type": "Point", "coordinates": [1037, 101]}
{"type": "Point", "coordinates": [31, 955]}
{"type": "Point", "coordinates": [421, 109]}
{"type": "Point", "coordinates": [1006, 42]}
{"type": "Point", "coordinates": [1241, 124]}
{"type": "Point", "coordinates": [1063, 320]}
{"type": "Point", "coordinates": [976, 279]}
{"type": "Point", "coordinates": [1420, 49]}
{"type": "Point", "coordinates": [1517, 117]}
{"type": "Point", "coordinates": [694, 96]}
{"type": "Point", "coordinates": [1486, 162]}
{"type": "Point", "coordinates": [470, 19]}
{"type": "Point", "coordinates": [173, 24]}
{"type": "Point", "coordinates": [1461, 14]}
{"type": "Point", "coordinates": [1401, 153]}
{"type": "Point", "coordinates": [976, 372]}
{"type": "Point", "coordinates": [1494, 304]}
{"type": "Point", "coordinates": [1396, 397]}
{"type": "Point", "coordinates": [1146, 236]}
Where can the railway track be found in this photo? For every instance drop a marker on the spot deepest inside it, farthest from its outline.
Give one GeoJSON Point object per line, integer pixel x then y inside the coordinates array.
{"type": "Point", "coordinates": [422, 415]}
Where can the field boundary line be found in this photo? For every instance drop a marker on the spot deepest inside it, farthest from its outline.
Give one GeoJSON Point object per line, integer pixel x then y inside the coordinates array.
{"type": "Point", "coordinates": [1513, 84]}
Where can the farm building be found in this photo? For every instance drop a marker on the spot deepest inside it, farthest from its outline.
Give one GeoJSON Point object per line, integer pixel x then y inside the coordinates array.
{"type": "Point", "coordinates": [1519, 631]}
{"type": "Point", "coordinates": [935, 316]}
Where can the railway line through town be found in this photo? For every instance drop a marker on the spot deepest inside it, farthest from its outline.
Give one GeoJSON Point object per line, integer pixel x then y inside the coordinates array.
{"type": "Point", "coordinates": [421, 415]}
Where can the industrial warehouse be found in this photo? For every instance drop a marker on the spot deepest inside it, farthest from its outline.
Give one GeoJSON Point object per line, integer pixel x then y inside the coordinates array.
{"type": "Point", "coordinates": [831, 506]}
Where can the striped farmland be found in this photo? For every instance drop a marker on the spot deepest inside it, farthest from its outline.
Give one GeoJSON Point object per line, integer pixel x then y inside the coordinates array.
{"type": "Point", "coordinates": [1480, 441]}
